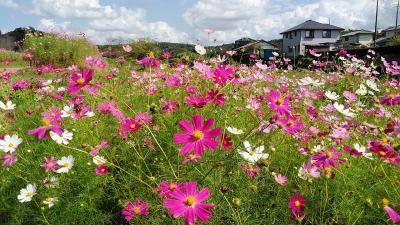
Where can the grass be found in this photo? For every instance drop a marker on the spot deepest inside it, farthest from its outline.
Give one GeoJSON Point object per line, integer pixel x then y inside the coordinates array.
{"type": "Point", "coordinates": [11, 59]}
{"type": "Point", "coordinates": [352, 197]}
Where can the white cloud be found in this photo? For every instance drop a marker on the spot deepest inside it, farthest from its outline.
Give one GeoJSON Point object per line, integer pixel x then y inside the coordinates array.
{"type": "Point", "coordinates": [103, 23]}
{"type": "Point", "coordinates": [9, 3]}
{"type": "Point", "coordinates": [265, 19]}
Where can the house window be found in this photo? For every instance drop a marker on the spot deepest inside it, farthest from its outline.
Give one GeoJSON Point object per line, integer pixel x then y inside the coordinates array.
{"type": "Point", "coordinates": [326, 34]}
{"type": "Point", "coordinates": [291, 35]}
{"type": "Point", "coordinates": [309, 33]}
{"type": "Point", "coordinates": [290, 49]}
{"type": "Point", "coordinates": [295, 33]}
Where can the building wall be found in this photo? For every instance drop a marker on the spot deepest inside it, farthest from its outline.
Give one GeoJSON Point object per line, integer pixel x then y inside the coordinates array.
{"type": "Point", "coordinates": [389, 34]}
{"type": "Point", "coordinates": [300, 41]}
{"type": "Point", "coordinates": [365, 39]}
{"type": "Point", "coordinates": [290, 42]}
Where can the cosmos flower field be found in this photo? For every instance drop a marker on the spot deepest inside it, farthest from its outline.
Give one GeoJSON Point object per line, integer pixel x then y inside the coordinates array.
{"type": "Point", "coordinates": [125, 141]}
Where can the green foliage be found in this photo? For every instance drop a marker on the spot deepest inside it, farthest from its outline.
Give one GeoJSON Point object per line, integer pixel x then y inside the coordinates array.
{"type": "Point", "coordinates": [58, 50]}
{"type": "Point", "coordinates": [15, 59]}
{"type": "Point", "coordinates": [395, 40]}
{"type": "Point", "coordinates": [143, 47]}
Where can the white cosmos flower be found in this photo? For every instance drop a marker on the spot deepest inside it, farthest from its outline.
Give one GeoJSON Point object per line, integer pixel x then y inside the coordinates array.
{"type": "Point", "coordinates": [50, 201]}
{"type": "Point", "coordinates": [47, 82]}
{"type": "Point", "coordinates": [332, 95]}
{"type": "Point", "coordinates": [340, 108]}
{"type": "Point", "coordinates": [317, 148]}
{"type": "Point", "coordinates": [89, 114]}
{"type": "Point", "coordinates": [362, 90]}
{"type": "Point", "coordinates": [61, 89]}
{"type": "Point", "coordinates": [252, 156]}
{"type": "Point", "coordinates": [275, 54]}
{"type": "Point", "coordinates": [98, 160]}
{"type": "Point", "coordinates": [27, 193]}
{"type": "Point", "coordinates": [64, 138]}
{"type": "Point", "coordinates": [66, 163]}
{"type": "Point", "coordinates": [233, 130]}
{"type": "Point", "coordinates": [200, 49]}
{"type": "Point", "coordinates": [67, 111]}
{"type": "Point", "coordinates": [7, 106]}
{"type": "Point", "coordinates": [309, 81]}
{"type": "Point", "coordinates": [362, 149]}
{"type": "Point", "coordinates": [10, 143]}
{"type": "Point", "coordinates": [372, 84]}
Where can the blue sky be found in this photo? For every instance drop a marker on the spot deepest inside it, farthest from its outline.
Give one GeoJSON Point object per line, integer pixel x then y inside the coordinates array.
{"type": "Point", "coordinates": [185, 20]}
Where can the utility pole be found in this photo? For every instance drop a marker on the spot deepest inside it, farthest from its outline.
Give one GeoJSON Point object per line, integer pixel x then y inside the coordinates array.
{"type": "Point", "coordinates": [397, 17]}
{"type": "Point", "coordinates": [376, 22]}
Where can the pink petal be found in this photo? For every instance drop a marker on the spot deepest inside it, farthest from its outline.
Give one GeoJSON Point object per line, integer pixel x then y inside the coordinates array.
{"type": "Point", "coordinates": [208, 124]}
{"type": "Point", "coordinates": [203, 195]}
{"type": "Point", "coordinates": [187, 148]}
{"type": "Point", "coordinates": [196, 120]}
{"type": "Point", "coordinates": [185, 126]}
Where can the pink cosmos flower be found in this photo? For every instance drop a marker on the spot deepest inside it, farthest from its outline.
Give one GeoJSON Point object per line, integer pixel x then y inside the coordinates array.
{"type": "Point", "coordinates": [277, 102]}
{"type": "Point", "coordinates": [127, 48]}
{"type": "Point", "coordinates": [297, 203]}
{"type": "Point", "coordinates": [215, 97]}
{"type": "Point", "coordinates": [173, 81]}
{"type": "Point", "coordinates": [393, 215]}
{"type": "Point", "coordinates": [103, 144]}
{"type": "Point", "coordinates": [340, 133]}
{"type": "Point", "coordinates": [310, 170]}
{"type": "Point", "coordinates": [130, 125]}
{"type": "Point", "coordinates": [51, 122]}
{"type": "Point", "coordinates": [251, 171]}
{"type": "Point", "coordinates": [54, 116]}
{"type": "Point", "coordinates": [327, 158]}
{"type": "Point", "coordinates": [196, 101]}
{"type": "Point", "coordinates": [50, 164]}
{"type": "Point", "coordinates": [390, 100]}
{"type": "Point", "coordinates": [197, 136]}
{"type": "Point", "coordinates": [352, 151]}
{"type": "Point", "coordinates": [349, 96]}
{"type": "Point", "coordinates": [166, 188]}
{"type": "Point", "coordinates": [101, 169]}
{"type": "Point", "coordinates": [78, 81]}
{"type": "Point", "coordinates": [167, 55]}
{"type": "Point", "coordinates": [170, 106]}
{"type": "Point", "coordinates": [188, 203]}
{"type": "Point", "coordinates": [291, 124]}
{"type": "Point", "coordinates": [282, 180]}
{"type": "Point", "coordinates": [9, 159]}
{"type": "Point", "coordinates": [384, 151]}
{"type": "Point", "coordinates": [191, 158]}
{"type": "Point", "coordinates": [143, 118]}
{"type": "Point", "coordinates": [222, 74]}
{"type": "Point", "coordinates": [132, 210]}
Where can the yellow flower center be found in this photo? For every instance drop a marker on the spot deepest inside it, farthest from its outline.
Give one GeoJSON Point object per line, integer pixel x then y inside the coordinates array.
{"type": "Point", "coordinates": [132, 126]}
{"type": "Point", "coordinates": [252, 152]}
{"type": "Point", "coordinates": [297, 203]}
{"type": "Point", "coordinates": [136, 210]}
{"type": "Point", "coordinates": [151, 54]}
{"type": "Point", "coordinates": [198, 134]}
{"type": "Point", "coordinates": [80, 80]}
{"type": "Point", "coordinates": [385, 140]}
{"type": "Point", "coordinates": [382, 153]}
{"type": "Point", "coordinates": [52, 115]}
{"type": "Point", "coordinates": [29, 194]}
{"type": "Point", "coordinates": [291, 123]}
{"type": "Point", "coordinates": [46, 123]}
{"type": "Point", "coordinates": [11, 145]}
{"type": "Point", "coordinates": [172, 186]}
{"type": "Point", "coordinates": [328, 153]}
{"type": "Point", "coordinates": [279, 101]}
{"type": "Point", "coordinates": [66, 164]}
{"type": "Point", "coordinates": [385, 202]}
{"type": "Point", "coordinates": [50, 164]}
{"type": "Point", "coordinates": [191, 201]}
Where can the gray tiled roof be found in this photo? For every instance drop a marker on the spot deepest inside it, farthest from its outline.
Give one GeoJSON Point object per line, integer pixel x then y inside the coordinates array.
{"type": "Point", "coordinates": [357, 32]}
{"type": "Point", "coordinates": [313, 25]}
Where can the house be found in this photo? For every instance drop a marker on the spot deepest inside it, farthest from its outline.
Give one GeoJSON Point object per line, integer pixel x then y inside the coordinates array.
{"type": "Point", "coordinates": [262, 48]}
{"type": "Point", "coordinates": [309, 35]}
{"type": "Point", "coordinates": [13, 40]}
{"type": "Point", "coordinates": [357, 38]}
{"type": "Point", "coordinates": [389, 32]}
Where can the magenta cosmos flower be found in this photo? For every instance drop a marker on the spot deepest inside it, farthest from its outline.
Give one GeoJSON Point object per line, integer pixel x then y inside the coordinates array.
{"type": "Point", "coordinates": [277, 102]}
{"type": "Point", "coordinates": [50, 164]}
{"type": "Point", "coordinates": [296, 204]}
{"type": "Point", "coordinates": [166, 188]}
{"type": "Point", "coordinates": [187, 202]}
{"type": "Point", "coordinates": [9, 159]}
{"type": "Point", "coordinates": [78, 81]}
{"type": "Point", "coordinates": [101, 170]}
{"type": "Point", "coordinates": [197, 136]}
{"type": "Point", "coordinates": [132, 210]}
{"type": "Point", "coordinates": [327, 158]}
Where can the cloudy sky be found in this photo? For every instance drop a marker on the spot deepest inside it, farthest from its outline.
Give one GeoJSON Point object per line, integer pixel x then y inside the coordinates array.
{"type": "Point", "coordinates": [185, 20]}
